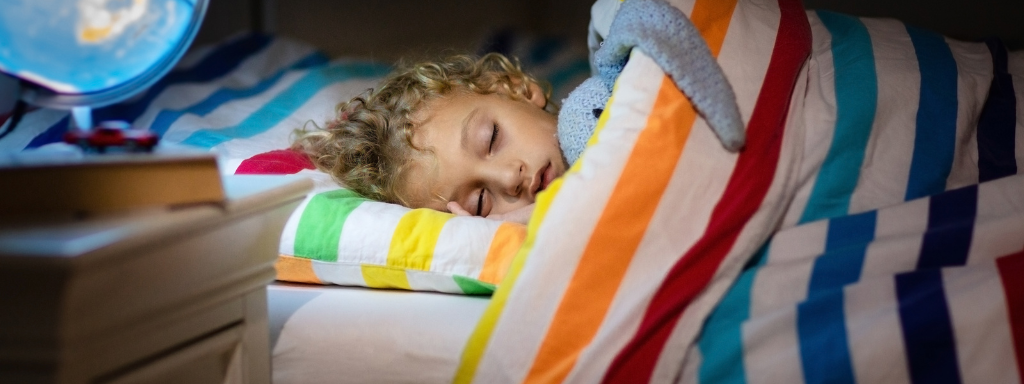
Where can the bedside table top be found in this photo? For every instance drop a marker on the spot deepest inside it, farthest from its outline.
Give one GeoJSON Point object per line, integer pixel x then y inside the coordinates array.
{"type": "Point", "coordinates": [67, 237]}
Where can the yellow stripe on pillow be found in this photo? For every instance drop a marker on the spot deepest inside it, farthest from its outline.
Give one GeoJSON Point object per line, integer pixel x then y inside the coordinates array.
{"type": "Point", "coordinates": [412, 245]}
{"type": "Point", "coordinates": [377, 276]}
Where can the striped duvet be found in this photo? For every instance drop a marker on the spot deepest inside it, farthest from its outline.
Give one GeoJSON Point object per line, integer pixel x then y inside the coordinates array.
{"type": "Point", "coordinates": [872, 230]}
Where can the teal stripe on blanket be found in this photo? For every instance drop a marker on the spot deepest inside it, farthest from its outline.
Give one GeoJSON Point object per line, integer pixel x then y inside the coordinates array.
{"type": "Point", "coordinates": [285, 103]}
{"type": "Point", "coordinates": [856, 84]}
{"type": "Point", "coordinates": [935, 137]}
{"type": "Point", "coordinates": [321, 223]}
{"type": "Point", "coordinates": [166, 118]}
{"type": "Point", "coordinates": [721, 340]}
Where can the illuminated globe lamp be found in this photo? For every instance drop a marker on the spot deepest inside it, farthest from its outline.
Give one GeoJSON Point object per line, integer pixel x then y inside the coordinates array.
{"type": "Point", "coordinates": [83, 54]}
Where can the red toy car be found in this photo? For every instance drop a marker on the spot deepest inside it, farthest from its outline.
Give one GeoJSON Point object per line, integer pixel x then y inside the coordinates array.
{"type": "Point", "coordinates": [112, 134]}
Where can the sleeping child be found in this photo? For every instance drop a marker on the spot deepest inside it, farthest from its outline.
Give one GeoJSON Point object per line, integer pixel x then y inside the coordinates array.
{"type": "Point", "coordinates": [470, 136]}
{"type": "Point", "coordinates": [479, 136]}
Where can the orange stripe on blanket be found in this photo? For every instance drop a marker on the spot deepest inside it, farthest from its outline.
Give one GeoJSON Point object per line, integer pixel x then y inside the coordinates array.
{"type": "Point", "coordinates": [617, 235]}
{"type": "Point", "coordinates": [504, 245]}
{"type": "Point", "coordinates": [712, 19]}
{"type": "Point", "coordinates": [624, 221]}
{"type": "Point", "coordinates": [295, 269]}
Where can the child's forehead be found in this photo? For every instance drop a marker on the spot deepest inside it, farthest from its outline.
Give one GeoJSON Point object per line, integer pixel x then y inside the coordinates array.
{"type": "Point", "coordinates": [446, 111]}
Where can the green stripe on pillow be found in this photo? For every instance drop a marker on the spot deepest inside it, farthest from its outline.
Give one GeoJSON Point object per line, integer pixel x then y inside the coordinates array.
{"type": "Point", "coordinates": [322, 221]}
{"type": "Point", "coordinates": [472, 286]}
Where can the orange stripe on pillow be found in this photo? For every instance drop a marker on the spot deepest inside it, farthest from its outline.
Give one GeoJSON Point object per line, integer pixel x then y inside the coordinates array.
{"type": "Point", "coordinates": [617, 235]}
{"type": "Point", "coordinates": [712, 20]}
{"type": "Point", "coordinates": [506, 241]}
{"type": "Point", "coordinates": [295, 269]}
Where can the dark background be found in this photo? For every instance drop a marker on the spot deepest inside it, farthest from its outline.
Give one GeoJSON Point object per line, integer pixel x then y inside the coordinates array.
{"type": "Point", "coordinates": [389, 29]}
{"type": "Point", "coordinates": [386, 30]}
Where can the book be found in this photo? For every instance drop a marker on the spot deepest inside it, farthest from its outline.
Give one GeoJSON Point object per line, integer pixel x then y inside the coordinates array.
{"type": "Point", "coordinates": [99, 183]}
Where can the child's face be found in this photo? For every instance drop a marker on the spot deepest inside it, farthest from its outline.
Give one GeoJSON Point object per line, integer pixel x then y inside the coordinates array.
{"type": "Point", "coordinates": [491, 154]}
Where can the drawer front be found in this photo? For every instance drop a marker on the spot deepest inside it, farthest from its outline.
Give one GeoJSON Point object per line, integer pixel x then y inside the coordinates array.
{"type": "Point", "coordinates": [214, 359]}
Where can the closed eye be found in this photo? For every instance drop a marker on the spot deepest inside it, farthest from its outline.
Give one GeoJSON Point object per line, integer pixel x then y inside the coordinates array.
{"type": "Point", "coordinates": [480, 203]}
{"type": "Point", "coordinates": [494, 137]}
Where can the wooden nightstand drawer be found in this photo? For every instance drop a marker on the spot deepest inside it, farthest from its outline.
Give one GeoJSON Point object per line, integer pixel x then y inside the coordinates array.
{"type": "Point", "coordinates": [213, 359]}
{"type": "Point", "coordinates": [150, 296]}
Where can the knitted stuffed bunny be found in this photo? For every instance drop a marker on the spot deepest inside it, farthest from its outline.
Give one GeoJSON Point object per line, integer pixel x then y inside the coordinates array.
{"type": "Point", "coordinates": [665, 34]}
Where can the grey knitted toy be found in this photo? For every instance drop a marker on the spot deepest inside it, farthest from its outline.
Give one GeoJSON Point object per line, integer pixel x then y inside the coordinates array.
{"type": "Point", "coordinates": [665, 34]}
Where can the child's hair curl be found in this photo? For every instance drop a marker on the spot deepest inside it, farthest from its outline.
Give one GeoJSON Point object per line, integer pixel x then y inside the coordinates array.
{"type": "Point", "coordinates": [367, 145]}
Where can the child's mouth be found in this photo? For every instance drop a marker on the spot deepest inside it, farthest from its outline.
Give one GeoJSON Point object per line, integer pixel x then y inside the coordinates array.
{"type": "Point", "coordinates": [545, 175]}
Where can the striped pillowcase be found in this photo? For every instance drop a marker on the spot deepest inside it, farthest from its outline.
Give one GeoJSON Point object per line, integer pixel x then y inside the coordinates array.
{"type": "Point", "coordinates": [338, 237]}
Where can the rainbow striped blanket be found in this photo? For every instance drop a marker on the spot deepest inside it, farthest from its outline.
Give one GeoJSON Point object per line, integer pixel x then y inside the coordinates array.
{"type": "Point", "coordinates": [872, 230]}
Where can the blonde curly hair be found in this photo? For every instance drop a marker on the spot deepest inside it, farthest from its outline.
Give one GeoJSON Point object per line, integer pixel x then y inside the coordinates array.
{"type": "Point", "coordinates": [368, 144]}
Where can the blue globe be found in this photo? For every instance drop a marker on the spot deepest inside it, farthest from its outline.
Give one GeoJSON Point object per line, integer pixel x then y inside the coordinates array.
{"type": "Point", "coordinates": [104, 49]}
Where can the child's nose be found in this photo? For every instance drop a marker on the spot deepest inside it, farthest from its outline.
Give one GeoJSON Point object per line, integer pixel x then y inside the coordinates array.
{"type": "Point", "coordinates": [511, 179]}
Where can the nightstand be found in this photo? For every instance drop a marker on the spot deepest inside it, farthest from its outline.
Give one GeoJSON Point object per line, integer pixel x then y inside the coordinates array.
{"type": "Point", "coordinates": [153, 296]}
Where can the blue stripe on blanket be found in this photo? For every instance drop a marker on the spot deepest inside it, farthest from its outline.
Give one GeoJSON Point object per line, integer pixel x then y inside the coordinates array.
{"type": "Point", "coordinates": [285, 103]}
{"type": "Point", "coordinates": [924, 313]}
{"type": "Point", "coordinates": [166, 118]}
{"type": "Point", "coordinates": [53, 134]}
{"type": "Point", "coordinates": [935, 137]}
{"type": "Point", "coordinates": [950, 228]}
{"type": "Point", "coordinates": [927, 329]}
{"type": "Point", "coordinates": [998, 121]}
{"type": "Point", "coordinates": [856, 99]}
{"type": "Point", "coordinates": [824, 350]}
{"type": "Point", "coordinates": [845, 245]}
{"type": "Point", "coordinates": [215, 64]}
{"type": "Point", "coordinates": [821, 324]}
{"type": "Point", "coordinates": [721, 340]}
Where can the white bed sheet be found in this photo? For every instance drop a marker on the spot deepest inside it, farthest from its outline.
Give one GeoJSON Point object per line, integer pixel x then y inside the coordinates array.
{"type": "Point", "coordinates": [332, 334]}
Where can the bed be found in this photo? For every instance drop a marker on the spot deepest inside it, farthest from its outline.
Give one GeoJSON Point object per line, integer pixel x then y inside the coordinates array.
{"type": "Point", "coordinates": [758, 288]}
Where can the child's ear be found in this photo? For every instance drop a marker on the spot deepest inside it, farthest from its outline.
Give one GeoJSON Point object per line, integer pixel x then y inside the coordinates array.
{"type": "Point", "coordinates": [537, 95]}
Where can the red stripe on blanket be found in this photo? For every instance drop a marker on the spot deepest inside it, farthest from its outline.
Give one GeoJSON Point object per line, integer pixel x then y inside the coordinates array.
{"type": "Point", "coordinates": [1011, 272]}
{"type": "Point", "coordinates": [277, 162]}
{"type": "Point", "coordinates": [747, 188]}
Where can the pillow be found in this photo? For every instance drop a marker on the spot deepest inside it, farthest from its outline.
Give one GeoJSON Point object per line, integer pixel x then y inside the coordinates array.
{"type": "Point", "coordinates": [336, 236]}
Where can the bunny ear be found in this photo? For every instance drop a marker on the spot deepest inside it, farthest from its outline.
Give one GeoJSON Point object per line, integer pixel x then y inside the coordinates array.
{"type": "Point", "coordinates": [665, 34]}
{"type": "Point", "coordinates": [578, 117]}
